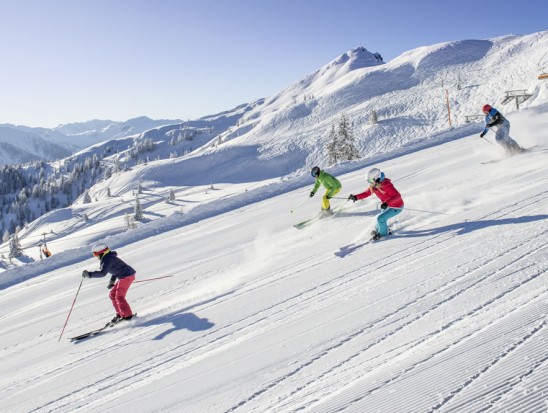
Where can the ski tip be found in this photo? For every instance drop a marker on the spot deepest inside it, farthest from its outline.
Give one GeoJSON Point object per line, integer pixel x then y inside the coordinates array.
{"type": "Point", "coordinates": [83, 336]}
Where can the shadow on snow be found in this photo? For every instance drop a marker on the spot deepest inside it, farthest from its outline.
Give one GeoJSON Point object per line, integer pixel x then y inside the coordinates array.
{"type": "Point", "coordinates": [470, 226]}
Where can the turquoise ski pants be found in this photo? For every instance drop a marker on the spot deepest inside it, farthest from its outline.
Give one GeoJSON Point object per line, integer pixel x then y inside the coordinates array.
{"type": "Point", "coordinates": [382, 219]}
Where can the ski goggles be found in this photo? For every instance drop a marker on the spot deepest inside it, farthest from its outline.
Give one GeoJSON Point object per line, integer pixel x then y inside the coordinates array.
{"type": "Point", "coordinates": [99, 253]}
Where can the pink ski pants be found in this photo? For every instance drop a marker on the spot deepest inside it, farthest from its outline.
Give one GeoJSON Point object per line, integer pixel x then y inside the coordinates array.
{"type": "Point", "coordinates": [118, 296]}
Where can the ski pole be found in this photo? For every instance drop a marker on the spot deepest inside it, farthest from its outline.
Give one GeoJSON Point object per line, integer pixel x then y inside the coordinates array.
{"type": "Point", "coordinates": [429, 212]}
{"type": "Point", "coordinates": [294, 209]}
{"type": "Point", "coordinates": [485, 139]}
{"type": "Point", "coordinates": [339, 209]}
{"type": "Point", "coordinates": [152, 279]}
{"type": "Point", "coordinates": [72, 306]}
{"type": "Point", "coordinates": [421, 210]}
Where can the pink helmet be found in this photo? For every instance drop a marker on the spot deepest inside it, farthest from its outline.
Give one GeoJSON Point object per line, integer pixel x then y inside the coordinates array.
{"type": "Point", "coordinates": [486, 108]}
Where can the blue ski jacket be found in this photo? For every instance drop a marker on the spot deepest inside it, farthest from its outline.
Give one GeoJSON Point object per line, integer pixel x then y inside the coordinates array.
{"type": "Point", "coordinates": [110, 263]}
{"type": "Point", "coordinates": [493, 118]}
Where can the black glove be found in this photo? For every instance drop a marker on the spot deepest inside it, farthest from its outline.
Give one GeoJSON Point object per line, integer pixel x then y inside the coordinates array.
{"type": "Point", "coordinates": [482, 134]}
{"type": "Point", "coordinates": [384, 205]}
{"type": "Point", "coordinates": [85, 274]}
{"type": "Point", "coordinates": [312, 194]}
{"type": "Point", "coordinates": [354, 198]}
{"type": "Point", "coordinates": [111, 284]}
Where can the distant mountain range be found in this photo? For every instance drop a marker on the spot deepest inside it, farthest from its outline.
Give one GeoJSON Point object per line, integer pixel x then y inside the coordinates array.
{"type": "Point", "coordinates": [21, 144]}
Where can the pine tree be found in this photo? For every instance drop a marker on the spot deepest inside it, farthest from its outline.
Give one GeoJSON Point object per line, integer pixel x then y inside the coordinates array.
{"type": "Point", "coordinates": [373, 118]}
{"type": "Point", "coordinates": [342, 146]}
{"type": "Point", "coordinates": [332, 147]}
{"type": "Point", "coordinates": [87, 198]}
{"type": "Point", "coordinates": [6, 236]}
{"type": "Point", "coordinates": [137, 211]}
{"type": "Point", "coordinates": [348, 150]}
{"type": "Point", "coordinates": [15, 247]}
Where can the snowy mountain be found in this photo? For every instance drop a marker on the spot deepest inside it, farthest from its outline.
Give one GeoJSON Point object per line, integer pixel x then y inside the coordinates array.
{"type": "Point", "coordinates": [84, 134]}
{"type": "Point", "coordinates": [409, 96]}
{"type": "Point", "coordinates": [279, 138]}
{"type": "Point", "coordinates": [17, 147]}
{"type": "Point", "coordinates": [31, 191]}
{"type": "Point", "coordinates": [169, 141]}
{"type": "Point", "coordinates": [287, 134]}
{"type": "Point", "coordinates": [238, 311]}
{"type": "Point", "coordinates": [70, 137]}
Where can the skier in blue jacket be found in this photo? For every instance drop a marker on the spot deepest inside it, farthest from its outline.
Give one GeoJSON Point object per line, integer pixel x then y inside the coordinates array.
{"type": "Point", "coordinates": [120, 281]}
{"type": "Point", "coordinates": [493, 118]}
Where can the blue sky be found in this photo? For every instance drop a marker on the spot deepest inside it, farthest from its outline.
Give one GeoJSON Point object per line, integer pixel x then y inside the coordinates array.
{"type": "Point", "coordinates": [67, 61]}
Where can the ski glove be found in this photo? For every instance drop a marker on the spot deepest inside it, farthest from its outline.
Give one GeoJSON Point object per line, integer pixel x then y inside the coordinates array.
{"type": "Point", "coordinates": [384, 205]}
{"type": "Point", "coordinates": [482, 134]}
{"type": "Point", "coordinates": [312, 194]}
{"type": "Point", "coordinates": [111, 284]}
{"type": "Point", "coordinates": [354, 198]}
{"type": "Point", "coordinates": [85, 274]}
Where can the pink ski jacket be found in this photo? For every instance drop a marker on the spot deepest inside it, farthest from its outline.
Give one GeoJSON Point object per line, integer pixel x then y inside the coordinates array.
{"type": "Point", "coordinates": [386, 193]}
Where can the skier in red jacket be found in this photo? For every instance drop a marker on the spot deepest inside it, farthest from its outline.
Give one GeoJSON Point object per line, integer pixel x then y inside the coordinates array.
{"type": "Point", "coordinates": [392, 203]}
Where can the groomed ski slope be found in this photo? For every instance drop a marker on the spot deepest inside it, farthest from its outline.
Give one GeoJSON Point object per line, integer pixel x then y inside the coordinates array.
{"type": "Point", "coordinates": [446, 315]}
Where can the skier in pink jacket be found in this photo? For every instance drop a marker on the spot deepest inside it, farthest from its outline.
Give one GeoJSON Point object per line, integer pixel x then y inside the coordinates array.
{"type": "Point", "coordinates": [392, 202]}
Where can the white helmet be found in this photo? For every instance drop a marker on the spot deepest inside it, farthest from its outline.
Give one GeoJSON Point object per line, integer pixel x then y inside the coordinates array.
{"type": "Point", "coordinates": [375, 176]}
{"type": "Point", "coordinates": [99, 249]}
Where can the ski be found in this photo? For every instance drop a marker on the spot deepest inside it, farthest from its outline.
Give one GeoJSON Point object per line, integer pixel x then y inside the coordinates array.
{"type": "Point", "coordinates": [321, 215]}
{"type": "Point", "coordinates": [303, 224]}
{"type": "Point", "coordinates": [350, 248]}
{"type": "Point", "coordinates": [89, 334]}
{"type": "Point", "coordinates": [97, 331]}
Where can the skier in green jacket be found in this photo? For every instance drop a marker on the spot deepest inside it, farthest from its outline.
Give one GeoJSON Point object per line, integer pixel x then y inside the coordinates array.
{"type": "Point", "coordinates": [331, 184]}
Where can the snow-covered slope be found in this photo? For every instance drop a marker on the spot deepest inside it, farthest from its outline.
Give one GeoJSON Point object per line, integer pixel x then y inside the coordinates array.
{"type": "Point", "coordinates": [446, 315]}
{"type": "Point", "coordinates": [253, 315]}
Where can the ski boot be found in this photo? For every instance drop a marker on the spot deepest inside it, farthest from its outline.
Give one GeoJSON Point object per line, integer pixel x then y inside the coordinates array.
{"type": "Point", "coordinates": [115, 320]}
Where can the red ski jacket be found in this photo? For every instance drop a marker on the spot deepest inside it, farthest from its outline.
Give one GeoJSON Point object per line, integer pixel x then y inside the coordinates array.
{"type": "Point", "coordinates": [386, 193]}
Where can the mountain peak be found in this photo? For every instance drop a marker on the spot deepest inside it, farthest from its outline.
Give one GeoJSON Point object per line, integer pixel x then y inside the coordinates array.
{"type": "Point", "coordinates": [357, 58]}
